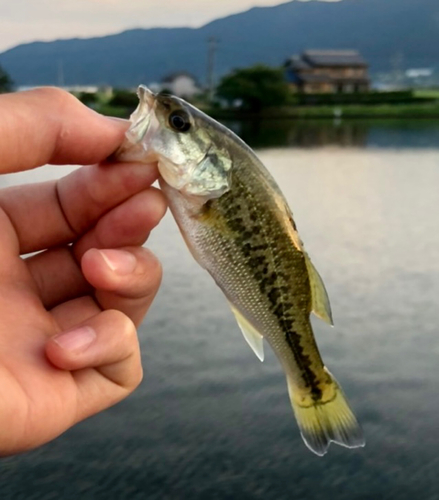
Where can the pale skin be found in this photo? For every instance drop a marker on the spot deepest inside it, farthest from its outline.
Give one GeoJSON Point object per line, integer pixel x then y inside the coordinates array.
{"type": "Point", "coordinates": [68, 340]}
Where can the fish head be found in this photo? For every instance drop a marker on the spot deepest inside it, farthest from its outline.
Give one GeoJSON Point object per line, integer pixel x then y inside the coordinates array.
{"type": "Point", "coordinates": [182, 139]}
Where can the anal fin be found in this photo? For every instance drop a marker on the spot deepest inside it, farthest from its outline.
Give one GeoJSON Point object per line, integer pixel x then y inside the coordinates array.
{"type": "Point", "coordinates": [254, 339]}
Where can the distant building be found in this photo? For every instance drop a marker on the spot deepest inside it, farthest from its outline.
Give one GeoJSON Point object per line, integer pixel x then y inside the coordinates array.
{"type": "Point", "coordinates": [420, 77]}
{"type": "Point", "coordinates": [181, 84]}
{"type": "Point", "coordinates": [327, 71]}
{"type": "Point", "coordinates": [419, 72]}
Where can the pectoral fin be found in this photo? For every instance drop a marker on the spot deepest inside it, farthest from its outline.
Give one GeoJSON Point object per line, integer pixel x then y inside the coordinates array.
{"type": "Point", "coordinates": [320, 300]}
{"type": "Point", "coordinates": [254, 339]}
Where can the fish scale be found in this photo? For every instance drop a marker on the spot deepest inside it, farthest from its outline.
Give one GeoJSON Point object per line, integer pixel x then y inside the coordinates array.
{"type": "Point", "coordinates": [237, 225]}
{"type": "Point", "coordinates": [265, 259]}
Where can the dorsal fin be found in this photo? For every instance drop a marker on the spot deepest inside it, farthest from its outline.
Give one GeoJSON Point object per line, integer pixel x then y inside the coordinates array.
{"type": "Point", "coordinates": [254, 339]}
{"type": "Point", "coordinates": [320, 300]}
{"type": "Point", "coordinates": [294, 234]}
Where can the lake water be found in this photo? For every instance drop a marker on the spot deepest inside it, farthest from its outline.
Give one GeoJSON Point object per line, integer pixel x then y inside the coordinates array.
{"type": "Point", "coordinates": [209, 420]}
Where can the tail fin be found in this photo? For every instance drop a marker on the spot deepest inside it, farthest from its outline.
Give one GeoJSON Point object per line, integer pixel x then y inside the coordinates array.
{"type": "Point", "coordinates": [331, 419]}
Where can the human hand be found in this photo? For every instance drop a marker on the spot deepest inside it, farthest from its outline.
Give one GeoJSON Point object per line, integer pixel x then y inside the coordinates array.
{"type": "Point", "coordinates": [68, 343]}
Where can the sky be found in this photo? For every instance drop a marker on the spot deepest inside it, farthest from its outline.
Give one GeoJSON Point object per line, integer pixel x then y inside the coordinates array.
{"type": "Point", "coordinates": [29, 20]}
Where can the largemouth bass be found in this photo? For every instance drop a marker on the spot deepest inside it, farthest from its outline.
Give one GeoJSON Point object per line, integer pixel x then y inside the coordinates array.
{"type": "Point", "coordinates": [238, 227]}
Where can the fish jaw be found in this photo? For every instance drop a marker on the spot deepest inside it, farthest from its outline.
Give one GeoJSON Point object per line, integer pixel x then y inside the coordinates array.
{"type": "Point", "coordinates": [144, 125]}
{"type": "Point", "coordinates": [174, 174]}
{"type": "Point", "coordinates": [141, 118]}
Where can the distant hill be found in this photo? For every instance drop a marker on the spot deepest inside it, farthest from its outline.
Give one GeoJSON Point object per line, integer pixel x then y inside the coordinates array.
{"type": "Point", "coordinates": [388, 33]}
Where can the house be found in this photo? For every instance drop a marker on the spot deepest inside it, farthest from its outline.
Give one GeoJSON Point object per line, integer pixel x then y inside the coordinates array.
{"type": "Point", "coordinates": [181, 84]}
{"type": "Point", "coordinates": [327, 71]}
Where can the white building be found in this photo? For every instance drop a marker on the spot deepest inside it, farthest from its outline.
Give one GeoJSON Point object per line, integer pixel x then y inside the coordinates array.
{"type": "Point", "coordinates": [181, 84]}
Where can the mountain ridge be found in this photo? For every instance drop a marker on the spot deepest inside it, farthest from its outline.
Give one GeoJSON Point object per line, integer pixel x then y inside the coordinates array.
{"type": "Point", "coordinates": [390, 34]}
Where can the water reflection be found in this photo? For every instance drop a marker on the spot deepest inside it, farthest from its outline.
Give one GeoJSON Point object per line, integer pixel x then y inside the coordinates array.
{"type": "Point", "coordinates": [345, 133]}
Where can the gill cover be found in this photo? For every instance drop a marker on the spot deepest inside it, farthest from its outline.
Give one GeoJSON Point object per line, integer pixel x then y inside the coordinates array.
{"type": "Point", "coordinates": [189, 158]}
{"type": "Point", "coordinates": [179, 137]}
{"type": "Point", "coordinates": [210, 177]}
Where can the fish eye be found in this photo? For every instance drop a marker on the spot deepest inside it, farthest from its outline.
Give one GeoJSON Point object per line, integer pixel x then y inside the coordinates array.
{"type": "Point", "coordinates": [179, 121]}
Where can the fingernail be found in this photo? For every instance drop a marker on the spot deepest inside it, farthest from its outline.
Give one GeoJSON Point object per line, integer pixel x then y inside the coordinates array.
{"type": "Point", "coordinates": [119, 261]}
{"type": "Point", "coordinates": [76, 340]}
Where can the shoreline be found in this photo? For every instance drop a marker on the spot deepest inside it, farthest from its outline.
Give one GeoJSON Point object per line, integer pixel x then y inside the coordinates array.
{"type": "Point", "coordinates": [401, 112]}
{"type": "Point", "coordinates": [351, 112]}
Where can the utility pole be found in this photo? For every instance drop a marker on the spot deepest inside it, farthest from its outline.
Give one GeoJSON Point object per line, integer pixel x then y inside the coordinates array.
{"type": "Point", "coordinates": [211, 49]}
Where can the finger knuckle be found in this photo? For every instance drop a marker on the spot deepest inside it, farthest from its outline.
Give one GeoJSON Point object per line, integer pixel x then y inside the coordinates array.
{"type": "Point", "coordinates": [96, 190]}
{"type": "Point", "coordinates": [56, 96]}
{"type": "Point", "coordinates": [122, 323]}
{"type": "Point", "coordinates": [159, 202]}
{"type": "Point", "coordinates": [138, 375]}
{"type": "Point", "coordinates": [149, 274]}
{"type": "Point", "coordinates": [154, 269]}
{"type": "Point", "coordinates": [134, 370]}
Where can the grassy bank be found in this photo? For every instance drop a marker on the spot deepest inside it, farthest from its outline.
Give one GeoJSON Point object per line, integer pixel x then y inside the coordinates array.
{"type": "Point", "coordinates": [399, 111]}
{"type": "Point", "coordinates": [400, 105]}
{"type": "Point", "coordinates": [117, 111]}
{"type": "Point", "coordinates": [389, 111]}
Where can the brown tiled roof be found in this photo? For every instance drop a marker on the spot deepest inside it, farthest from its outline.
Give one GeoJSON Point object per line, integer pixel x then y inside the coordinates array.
{"type": "Point", "coordinates": [333, 58]}
{"type": "Point", "coordinates": [296, 62]}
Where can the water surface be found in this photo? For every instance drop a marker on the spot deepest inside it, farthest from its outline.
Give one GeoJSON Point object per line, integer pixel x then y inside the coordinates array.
{"type": "Point", "coordinates": [344, 133]}
{"type": "Point", "coordinates": [211, 422]}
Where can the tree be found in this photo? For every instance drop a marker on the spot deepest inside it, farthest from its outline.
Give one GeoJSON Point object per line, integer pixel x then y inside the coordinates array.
{"type": "Point", "coordinates": [88, 98]}
{"type": "Point", "coordinates": [6, 82]}
{"type": "Point", "coordinates": [124, 98]}
{"type": "Point", "coordinates": [256, 87]}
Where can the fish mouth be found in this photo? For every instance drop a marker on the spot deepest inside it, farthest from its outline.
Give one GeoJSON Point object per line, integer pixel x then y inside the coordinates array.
{"type": "Point", "coordinates": [146, 96]}
{"type": "Point", "coordinates": [143, 126]}
{"type": "Point", "coordinates": [142, 117]}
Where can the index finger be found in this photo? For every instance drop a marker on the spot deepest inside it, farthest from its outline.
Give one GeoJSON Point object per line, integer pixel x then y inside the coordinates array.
{"type": "Point", "coordinates": [49, 125]}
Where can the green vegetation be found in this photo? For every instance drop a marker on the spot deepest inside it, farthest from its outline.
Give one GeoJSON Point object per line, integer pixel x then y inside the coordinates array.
{"type": "Point", "coordinates": [375, 105]}
{"type": "Point", "coordinates": [6, 83]}
{"type": "Point", "coordinates": [124, 99]}
{"type": "Point", "coordinates": [365, 98]}
{"type": "Point", "coordinates": [116, 111]}
{"type": "Point", "coordinates": [88, 98]}
{"type": "Point", "coordinates": [368, 111]}
{"type": "Point", "coordinates": [119, 102]}
{"type": "Point", "coordinates": [427, 93]}
{"type": "Point", "coordinates": [256, 88]}
{"type": "Point", "coordinates": [397, 111]}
